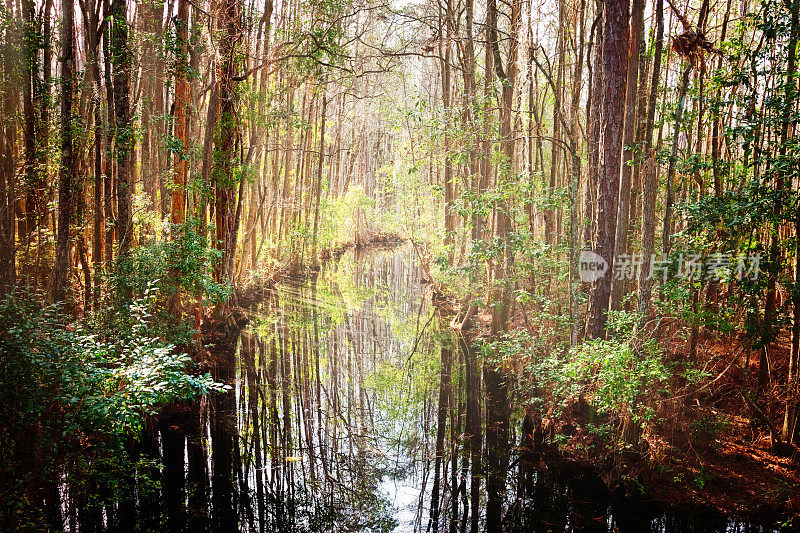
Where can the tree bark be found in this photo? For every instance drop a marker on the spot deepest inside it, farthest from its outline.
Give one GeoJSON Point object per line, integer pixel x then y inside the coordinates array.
{"type": "Point", "coordinates": [7, 174]}
{"type": "Point", "coordinates": [225, 141]}
{"type": "Point", "coordinates": [788, 430]}
{"type": "Point", "coordinates": [631, 116]}
{"type": "Point", "coordinates": [66, 178]}
{"type": "Point", "coordinates": [650, 183]}
{"type": "Point", "coordinates": [124, 128]}
{"type": "Point", "coordinates": [449, 207]}
{"type": "Point", "coordinates": [33, 184]}
{"type": "Point", "coordinates": [182, 96]}
{"type": "Point", "coordinates": [595, 117]}
{"type": "Point", "coordinates": [615, 70]}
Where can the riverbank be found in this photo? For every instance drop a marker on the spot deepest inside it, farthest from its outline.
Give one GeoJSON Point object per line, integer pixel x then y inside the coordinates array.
{"type": "Point", "coordinates": [704, 450]}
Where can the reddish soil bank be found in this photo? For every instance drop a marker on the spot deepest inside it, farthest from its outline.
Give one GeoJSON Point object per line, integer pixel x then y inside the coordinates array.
{"type": "Point", "coordinates": [710, 450]}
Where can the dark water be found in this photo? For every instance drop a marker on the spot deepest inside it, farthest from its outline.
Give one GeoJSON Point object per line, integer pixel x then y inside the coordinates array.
{"type": "Point", "coordinates": [332, 425]}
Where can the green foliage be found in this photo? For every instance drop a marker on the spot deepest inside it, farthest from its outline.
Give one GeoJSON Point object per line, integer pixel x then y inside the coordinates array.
{"type": "Point", "coordinates": [184, 262]}
{"type": "Point", "coordinates": [744, 220]}
{"type": "Point", "coordinates": [145, 372]}
{"type": "Point", "coordinates": [88, 389]}
{"type": "Point", "coordinates": [703, 478]}
{"type": "Point", "coordinates": [615, 378]}
{"type": "Point", "coordinates": [340, 216]}
{"type": "Point", "coordinates": [93, 383]}
{"type": "Point", "coordinates": [709, 425]}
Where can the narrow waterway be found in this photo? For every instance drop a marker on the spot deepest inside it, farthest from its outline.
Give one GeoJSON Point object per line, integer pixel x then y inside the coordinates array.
{"type": "Point", "coordinates": [334, 394]}
{"type": "Point", "coordinates": [333, 419]}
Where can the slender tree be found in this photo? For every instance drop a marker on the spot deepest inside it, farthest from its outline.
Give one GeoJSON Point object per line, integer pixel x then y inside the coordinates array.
{"type": "Point", "coordinates": [122, 62]}
{"type": "Point", "coordinates": [629, 138]}
{"type": "Point", "coordinates": [650, 181]}
{"type": "Point", "coordinates": [66, 175]}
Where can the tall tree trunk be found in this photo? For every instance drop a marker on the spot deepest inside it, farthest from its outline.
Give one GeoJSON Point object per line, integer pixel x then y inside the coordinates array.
{"type": "Point", "coordinates": [98, 225]}
{"type": "Point", "coordinates": [318, 184]}
{"type": "Point", "coordinates": [66, 177]}
{"type": "Point", "coordinates": [650, 183]}
{"type": "Point", "coordinates": [33, 187]}
{"type": "Point", "coordinates": [110, 128]}
{"type": "Point", "coordinates": [615, 73]}
{"type": "Point", "coordinates": [715, 129]}
{"type": "Point", "coordinates": [182, 96]}
{"type": "Point", "coordinates": [550, 230]}
{"type": "Point", "coordinates": [574, 142]}
{"type": "Point", "coordinates": [7, 170]}
{"type": "Point", "coordinates": [631, 116]}
{"type": "Point", "coordinates": [790, 413]}
{"type": "Point", "coordinates": [124, 127]}
{"type": "Point", "coordinates": [595, 117]}
{"type": "Point", "coordinates": [226, 138]}
{"type": "Point", "coordinates": [449, 199]}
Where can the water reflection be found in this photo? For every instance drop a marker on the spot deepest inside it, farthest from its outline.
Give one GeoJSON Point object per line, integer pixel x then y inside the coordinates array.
{"type": "Point", "coordinates": [354, 409]}
{"type": "Point", "coordinates": [328, 408]}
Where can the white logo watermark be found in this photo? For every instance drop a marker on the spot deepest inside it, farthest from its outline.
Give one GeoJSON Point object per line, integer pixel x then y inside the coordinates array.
{"type": "Point", "coordinates": [717, 267]}
{"type": "Point", "coordinates": [591, 266]}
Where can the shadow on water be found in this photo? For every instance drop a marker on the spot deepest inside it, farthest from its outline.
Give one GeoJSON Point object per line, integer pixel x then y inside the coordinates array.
{"type": "Point", "coordinates": [353, 409]}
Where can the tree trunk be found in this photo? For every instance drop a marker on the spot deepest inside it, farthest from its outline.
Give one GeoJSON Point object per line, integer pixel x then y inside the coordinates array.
{"type": "Point", "coordinates": [449, 199]}
{"type": "Point", "coordinates": [631, 116]}
{"type": "Point", "coordinates": [182, 97]}
{"type": "Point", "coordinates": [318, 184]}
{"type": "Point", "coordinates": [615, 71]}
{"type": "Point", "coordinates": [7, 174]}
{"type": "Point", "coordinates": [595, 117]}
{"type": "Point", "coordinates": [650, 173]}
{"type": "Point", "coordinates": [790, 413]}
{"type": "Point", "coordinates": [124, 127]}
{"type": "Point", "coordinates": [225, 141]}
{"type": "Point", "coordinates": [110, 128]}
{"type": "Point", "coordinates": [555, 153]}
{"type": "Point", "coordinates": [66, 177]}
{"type": "Point", "coordinates": [33, 187]}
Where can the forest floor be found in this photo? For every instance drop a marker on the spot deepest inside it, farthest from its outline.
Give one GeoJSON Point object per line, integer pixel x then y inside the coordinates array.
{"type": "Point", "coordinates": [716, 452]}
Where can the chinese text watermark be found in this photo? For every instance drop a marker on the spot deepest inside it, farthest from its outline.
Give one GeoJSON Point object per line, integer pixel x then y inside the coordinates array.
{"type": "Point", "coordinates": [692, 267]}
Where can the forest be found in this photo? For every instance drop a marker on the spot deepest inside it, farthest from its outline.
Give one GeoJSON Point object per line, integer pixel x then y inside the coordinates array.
{"type": "Point", "coordinates": [399, 265]}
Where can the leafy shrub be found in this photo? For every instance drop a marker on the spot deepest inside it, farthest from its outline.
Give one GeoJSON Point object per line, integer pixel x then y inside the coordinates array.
{"type": "Point", "coordinates": [184, 262]}
{"type": "Point", "coordinates": [75, 395]}
{"type": "Point", "coordinates": [615, 378]}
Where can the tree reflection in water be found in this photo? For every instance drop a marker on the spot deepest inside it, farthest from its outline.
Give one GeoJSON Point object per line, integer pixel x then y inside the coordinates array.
{"type": "Point", "coordinates": [355, 408]}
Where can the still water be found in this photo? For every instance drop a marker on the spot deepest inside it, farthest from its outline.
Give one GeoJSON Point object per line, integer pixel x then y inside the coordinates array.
{"type": "Point", "coordinates": [331, 424]}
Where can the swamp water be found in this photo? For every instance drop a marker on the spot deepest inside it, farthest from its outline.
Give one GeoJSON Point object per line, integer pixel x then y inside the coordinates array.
{"type": "Point", "coordinates": [331, 424]}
